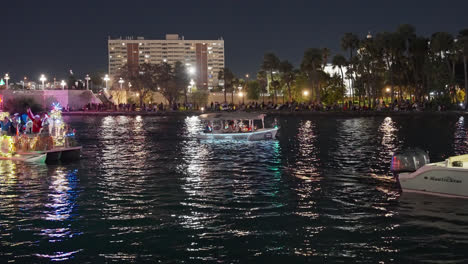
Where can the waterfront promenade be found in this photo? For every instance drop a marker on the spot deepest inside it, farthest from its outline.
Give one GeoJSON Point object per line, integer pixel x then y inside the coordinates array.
{"type": "Point", "coordinates": [270, 112]}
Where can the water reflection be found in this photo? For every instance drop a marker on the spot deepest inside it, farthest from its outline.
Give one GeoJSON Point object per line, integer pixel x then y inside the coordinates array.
{"type": "Point", "coordinates": [307, 157]}
{"type": "Point", "coordinates": [317, 194]}
{"type": "Point", "coordinates": [37, 204]}
{"type": "Point", "coordinates": [239, 179]}
{"type": "Point", "coordinates": [61, 204]}
{"type": "Point", "coordinates": [63, 185]}
{"type": "Point", "coordinates": [389, 145]}
{"type": "Point", "coordinates": [124, 157]}
{"type": "Point", "coordinates": [460, 141]}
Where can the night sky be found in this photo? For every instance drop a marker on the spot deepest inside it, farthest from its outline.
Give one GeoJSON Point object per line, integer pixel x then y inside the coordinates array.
{"type": "Point", "coordinates": [52, 37]}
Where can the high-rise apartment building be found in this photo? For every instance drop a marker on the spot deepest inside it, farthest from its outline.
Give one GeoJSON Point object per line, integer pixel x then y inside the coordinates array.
{"type": "Point", "coordinates": [203, 58]}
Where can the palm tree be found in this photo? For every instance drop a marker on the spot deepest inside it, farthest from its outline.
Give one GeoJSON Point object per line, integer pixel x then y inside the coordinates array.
{"type": "Point", "coordinates": [350, 42]}
{"type": "Point", "coordinates": [463, 43]}
{"type": "Point", "coordinates": [263, 81]}
{"type": "Point", "coordinates": [325, 53]}
{"type": "Point", "coordinates": [235, 84]}
{"type": "Point", "coordinates": [270, 64]}
{"type": "Point", "coordinates": [227, 76]}
{"type": "Point", "coordinates": [311, 64]}
{"type": "Point", "coordinates": [181, 78]}
{"type": "Point", "coordinates": [340, 62]}
{"type": "Point", "coordinates": [392, 46]}
{"type": "Point", "coordinates": [221, 77]}
{"type": "Point", "coordinates": [418, 56]}
{"type": "Point", "coordinates": [287, 71]}
{"type": "Point", "coordinates": [442, 44]}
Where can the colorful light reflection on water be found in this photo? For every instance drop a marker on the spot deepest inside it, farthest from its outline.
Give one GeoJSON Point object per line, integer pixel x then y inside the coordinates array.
{"type": "Point", "coordinates": [148, 191]}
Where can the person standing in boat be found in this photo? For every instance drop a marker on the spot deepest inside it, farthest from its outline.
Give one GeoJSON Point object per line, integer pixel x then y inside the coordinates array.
{"type": "Point", "coordinates": [15, 127]}
{"type": "Point", "coordinates": [37, 122]}
{"type": "Point", "coordinates": [5, 124]}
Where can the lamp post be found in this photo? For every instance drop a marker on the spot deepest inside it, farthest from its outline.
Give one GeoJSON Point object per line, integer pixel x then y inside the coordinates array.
{"type": "Point", "coordinates": [7, 77]}
{"type": "Point", "coordinates": [43, 79]}
{"type": "Point", "coordinates": [106, 79]}
{"type": "Point", "coordinates": [191, 71]}
{"type": "Point", "coordinates": [388, 92]}
{"type": "Point", "coordinates": [24, 81]}
{"type": "Point", "coordinates": [121, 82]}
{"type": "Point", "coordinates": [87, 78]}
{"type": "Point", "coordinates": [63, 84]}
{"type": "Point", "coordinates": [241, 95]}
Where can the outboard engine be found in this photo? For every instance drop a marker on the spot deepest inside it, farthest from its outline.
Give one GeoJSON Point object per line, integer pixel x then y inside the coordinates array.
{"type": "Point", "coordinates": [409, 160]}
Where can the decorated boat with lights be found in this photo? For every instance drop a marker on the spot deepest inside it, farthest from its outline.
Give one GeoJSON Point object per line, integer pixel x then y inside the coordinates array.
{"type": "Point", "coordinates": [55, 142]}
{"type": "Point", "coordinates": [415, 174]}
{"type": "Point", "coordinates": [236, 126]}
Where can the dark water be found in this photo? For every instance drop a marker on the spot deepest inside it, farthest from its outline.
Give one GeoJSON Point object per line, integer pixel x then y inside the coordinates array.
{"type": "Point", "coordinates": [146, 191]}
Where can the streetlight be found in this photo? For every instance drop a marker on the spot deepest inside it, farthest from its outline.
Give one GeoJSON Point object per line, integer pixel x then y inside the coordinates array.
{"type": "Point", "coordinates": [63, 84]}
{"type": "Point", "coordinates": [388, 92]}
{"type": "Point", "coordinates": [24, 80]}
{"type": "Point", "coordinates": [106, 79]}
{"type": "Point", "coordinates": [121, 81]}
{"type": "Point", "coordinates": [192, 83]}
{"type": "Point", "coordinates": [191, 70]}
{"type": "Point", "coordinates": [305, 93]}
{"type": "Point", "coordinates": [43, 79]}
{"type": "Point", "coordinates": [7, 77]}
{"type": "Point", "coordinates": [241, 95]}
{"type": "Point", "coordinates": [87, 78]}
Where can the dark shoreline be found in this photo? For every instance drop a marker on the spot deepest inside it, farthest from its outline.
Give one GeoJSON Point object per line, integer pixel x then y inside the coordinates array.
{"type": "Point", "coordinates": [273, 113]}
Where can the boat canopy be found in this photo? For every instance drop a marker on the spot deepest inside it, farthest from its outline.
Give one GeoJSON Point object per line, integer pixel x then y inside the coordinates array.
{"type": "Point", "coordinates": [232, 116]}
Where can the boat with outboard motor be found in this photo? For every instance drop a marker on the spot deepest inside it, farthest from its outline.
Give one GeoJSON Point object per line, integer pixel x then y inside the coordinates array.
{"type": "Point", "coordinates": [415, 174]}
{"type": "Point", "coordinates": [236, 126]}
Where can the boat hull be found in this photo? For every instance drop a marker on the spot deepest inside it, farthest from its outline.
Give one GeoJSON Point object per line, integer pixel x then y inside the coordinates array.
{"type": "Point", "coordinates": [70, 154]}
{"type": "Point", "coordinates": [435, 180]}
{"type": "Point", "coordinates": [37, 158]}
{"type": "Point", "coordinates": [59, 154]}
{"type": "Point", "coordinates": [263, 134]}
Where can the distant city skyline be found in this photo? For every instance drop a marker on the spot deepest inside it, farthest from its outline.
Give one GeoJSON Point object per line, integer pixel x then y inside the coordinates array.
{"type": "Point", "coordinates": [55, 37]}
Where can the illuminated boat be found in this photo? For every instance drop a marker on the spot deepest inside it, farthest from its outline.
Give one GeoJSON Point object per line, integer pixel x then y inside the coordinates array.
{"type": "Point", "coordinates": [7, 152]}
{"type": "Point", "coordinates": [55, 142]}
{"type": "Point", "coordinates": [236, 126]}
{"type": "Point", "coordinates": [447, 178]}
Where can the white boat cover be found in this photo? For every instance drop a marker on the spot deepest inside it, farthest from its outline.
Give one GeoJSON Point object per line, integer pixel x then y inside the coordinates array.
{"type": "Point", "coordinates": [232, 116]}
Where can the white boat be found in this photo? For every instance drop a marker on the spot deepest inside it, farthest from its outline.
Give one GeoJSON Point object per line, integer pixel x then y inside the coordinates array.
{"type": "Point", "coordinates": [236, 126]}
{"type": "Point", "coordinates": [448, 178]}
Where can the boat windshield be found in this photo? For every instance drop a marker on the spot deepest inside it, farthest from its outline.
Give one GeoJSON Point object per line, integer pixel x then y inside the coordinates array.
{"type": "Point", "coordinates": [232, 126]}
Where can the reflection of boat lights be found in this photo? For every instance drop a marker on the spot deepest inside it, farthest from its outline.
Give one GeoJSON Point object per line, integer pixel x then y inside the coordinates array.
{"type": "Point", "coordinates": [193, 124]}
{"type": "Point", "coordinates": [7, 146]}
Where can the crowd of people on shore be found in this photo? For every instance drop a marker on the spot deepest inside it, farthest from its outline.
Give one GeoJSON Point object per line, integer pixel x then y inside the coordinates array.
{"type": "Point", "coordinates": [26, 123]}
{"type": "Point", "coordinates": [379, 105]}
